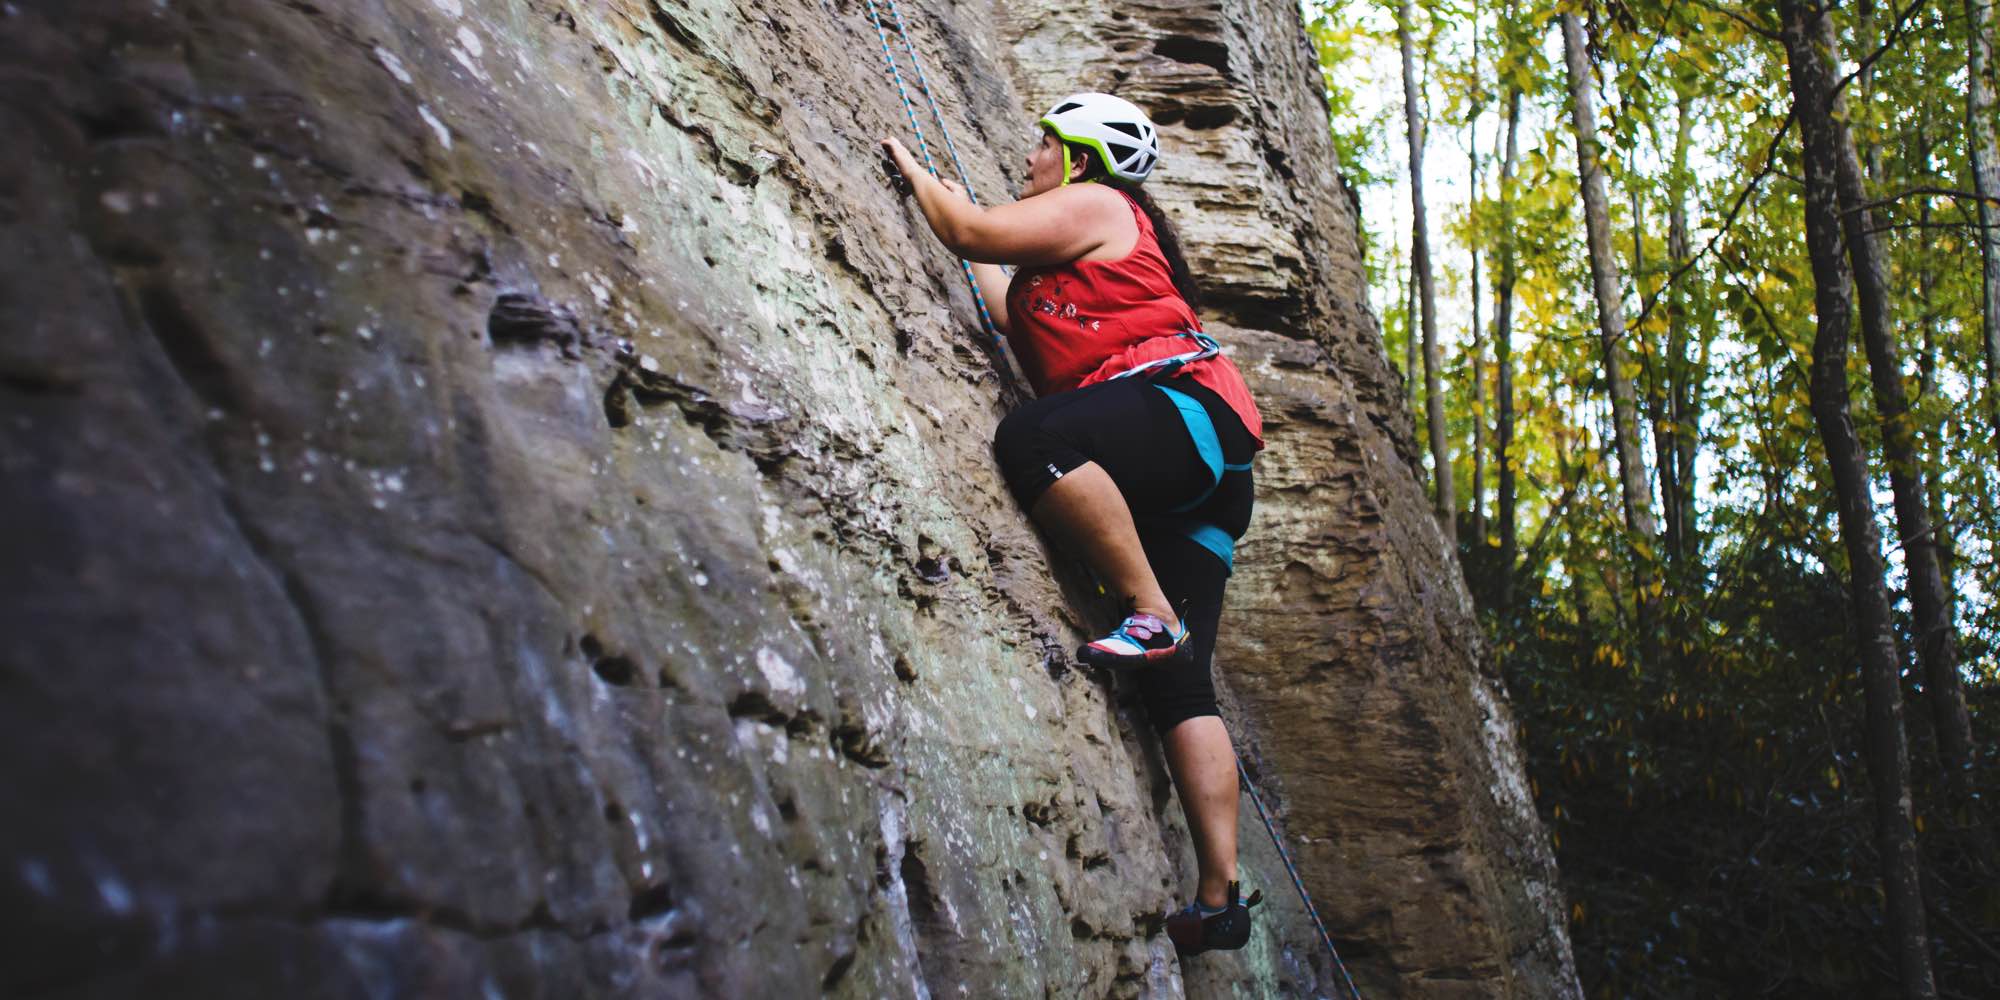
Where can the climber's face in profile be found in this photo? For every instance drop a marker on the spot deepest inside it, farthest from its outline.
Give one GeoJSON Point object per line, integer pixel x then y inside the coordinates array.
{"type": "Point", "coordinates": [1045, 166]}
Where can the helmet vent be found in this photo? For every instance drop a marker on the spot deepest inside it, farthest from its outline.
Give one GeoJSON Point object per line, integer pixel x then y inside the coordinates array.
{"type": "Point", "coordinates": [1121, 151]}
{"type": "Point", "coordinates": [1066, 106]}
{"type": "Point", "coordinates": [1129, 128]}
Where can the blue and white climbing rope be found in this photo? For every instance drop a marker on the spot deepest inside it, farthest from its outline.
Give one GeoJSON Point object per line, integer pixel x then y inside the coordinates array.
{"type": "Point", "coordinates": [924, 84]}
{"type": "Point", "coordinates": [1297, 883]}
{"type": "Point", "coordinates": [910, 110]}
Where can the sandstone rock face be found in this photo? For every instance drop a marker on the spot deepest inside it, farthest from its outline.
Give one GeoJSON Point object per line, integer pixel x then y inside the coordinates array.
{"type": "Point", "coordinates": [498, 503]}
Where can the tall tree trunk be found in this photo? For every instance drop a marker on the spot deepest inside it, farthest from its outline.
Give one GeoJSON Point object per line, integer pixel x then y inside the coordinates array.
{"type": "Point", "coordinates": [1659, 371]}
{"type": "Point", "coordinates": [1685, 400]}
{"type": "Point", "coordinates": [1937, 643]}
{"type": "Point", "coordinates": [1985, 162]}
{"type": "Point", "coordinates": [1412, 339]}
{"type": "Point", "coordinates": [1503, 354]}
{"type": "Point", "coordinates": [1420, 263]}
{"type": "Point", "coordinates": [1610, 317]}
{"type": "Point", "coordinates": [1478, 333]}
{"type": "Point", "coordinates": [1886, 750]}
{"type": "Point", "coordinates": [1406, 300]}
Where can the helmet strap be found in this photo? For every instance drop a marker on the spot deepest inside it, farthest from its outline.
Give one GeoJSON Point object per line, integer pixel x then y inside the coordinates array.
{"type": "Point", "coordinates": [1065, 156]}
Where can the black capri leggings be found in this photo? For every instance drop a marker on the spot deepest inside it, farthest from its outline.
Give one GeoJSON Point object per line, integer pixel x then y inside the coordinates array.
{"type": "Point", "coordinates": [1136, 434]}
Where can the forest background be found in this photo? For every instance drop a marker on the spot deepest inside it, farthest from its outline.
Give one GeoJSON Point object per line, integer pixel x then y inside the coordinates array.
{"type": "Point", "coordinates": [1698, 304]}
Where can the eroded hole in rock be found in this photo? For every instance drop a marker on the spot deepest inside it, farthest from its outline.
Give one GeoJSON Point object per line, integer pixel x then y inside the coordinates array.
{"type": "Point", "coordinates": [930, 570]}
{"type": "Point", "coordinates": [650, 903]}
{"type": "Point", "coordinates": [122, 119]}
{"type": "Point", "coordinates": [801, 724]}
{"type": "Point", "coordinates": [917, 886]}
{"type": "Point", "coordinates": [677, 951]}
{"type": "Point", "coordinates": [519, 319]}
{"type": "Point", "coordinates": [418, 786]}
{"type": "Point", "coordinates": [614, 813]}
{"type": "Point", "coordinates": [591, 647]}
{"type": "Point", "coordinates": [1209, 117]}
{"type": "Point", "coordinates": [479, 204]}
{"type": "Point", "coordinates": [756, 705]}
{"type": "Point", "coordinates": [788, 810]}
{"type": "Point", "coordinates": [1040, 813]}
{"type": "Point", "coordinates": [1276, 158]}
{"type": "Point", "coordinates": [836, 972]}
{"type": "Point", "coordinates": [618, 404]}
{"type": "Point", "coordinates": [905, 671]}
{"type": "Point", "coordinates": [1080, 928]}
{"type": "Point", "coordinates": [617, 671]}
{"type": "Point", "coordinates": [1199, 51]}
{"type": "Point", "coordinates": [856, 744]}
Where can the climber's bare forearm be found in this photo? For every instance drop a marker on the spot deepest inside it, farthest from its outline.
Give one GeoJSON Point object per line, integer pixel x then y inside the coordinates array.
{"type": "Point", "coordinates": [993, 285]}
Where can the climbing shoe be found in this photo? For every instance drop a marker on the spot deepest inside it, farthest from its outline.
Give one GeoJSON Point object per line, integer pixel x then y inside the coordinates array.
{"type": "Point", "coordinates": [1197, 928]}
{"type": "Point", "coordinates": [1139, 641]}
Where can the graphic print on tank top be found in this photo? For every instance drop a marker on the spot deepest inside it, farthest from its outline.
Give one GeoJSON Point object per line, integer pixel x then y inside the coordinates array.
{"type": "Point", "coordinates": [1048, 294]}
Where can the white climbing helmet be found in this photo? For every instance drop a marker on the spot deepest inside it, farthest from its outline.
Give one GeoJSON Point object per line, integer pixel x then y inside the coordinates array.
{"type": "Point", "coordinates": [1121, 134]}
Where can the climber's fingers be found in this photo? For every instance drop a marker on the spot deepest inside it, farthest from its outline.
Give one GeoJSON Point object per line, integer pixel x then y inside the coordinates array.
{"type": "Point", "coordinates": [897, 179]}
{"type": "Point", "coordinates": [900, 153]}
{"type": "Point", "coordinates": [953, 186]}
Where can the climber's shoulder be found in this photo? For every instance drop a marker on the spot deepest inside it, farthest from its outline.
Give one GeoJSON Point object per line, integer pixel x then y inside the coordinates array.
{"type": "Point", "coordinates": [1056, 227]}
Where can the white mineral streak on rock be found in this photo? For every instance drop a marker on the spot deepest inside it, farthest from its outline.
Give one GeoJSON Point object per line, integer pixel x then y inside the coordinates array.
{"type": "Point", "coordinates": [453, 8]}
{"type": "Point", "coordinates": [392, 64]}
{"type": "Point", "coordinates": [443, 134]}
{"type": "Point", "coordinates": [116, 201]}
{"type": "Point", "coordinates": [467, 60]}
{"type": "Point", "coordinates": [1021, 695]}
{"type": "Point", "coordinates": [778, 673]}
{"type": "Point", "coordinates": [890, 808]}
{"type": "Point", "coordinates": [1504, 748]}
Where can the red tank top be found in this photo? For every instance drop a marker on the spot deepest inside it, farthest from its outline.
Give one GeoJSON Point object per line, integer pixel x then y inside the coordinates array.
{"type": "Point", "coordinates": [1083, 322]}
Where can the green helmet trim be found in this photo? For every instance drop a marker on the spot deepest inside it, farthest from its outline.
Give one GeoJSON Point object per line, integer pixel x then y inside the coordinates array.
{"type": "Point", "coordinates": [1103, 155]}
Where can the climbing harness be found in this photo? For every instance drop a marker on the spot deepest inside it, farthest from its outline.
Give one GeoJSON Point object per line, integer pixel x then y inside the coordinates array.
{"type": "Point", "coordinates": [909, 109]}
{"type": "Point", "coordinates": [1311, 911]}
{"type": "Point", "coordinates": [1165, 367]}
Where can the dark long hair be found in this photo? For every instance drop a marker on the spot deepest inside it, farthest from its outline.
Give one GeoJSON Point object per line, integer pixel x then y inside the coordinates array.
{"type": "Point", "coordinates": [1170, 240]}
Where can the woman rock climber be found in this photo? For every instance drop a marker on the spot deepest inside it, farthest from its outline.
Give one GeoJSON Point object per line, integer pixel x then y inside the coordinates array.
{"type": "Point", "coordinates": [1137, 452]}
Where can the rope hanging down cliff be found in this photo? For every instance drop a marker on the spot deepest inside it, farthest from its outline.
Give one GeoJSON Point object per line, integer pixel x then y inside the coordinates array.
{"type": "Point", "coordinates": [1297, 882]}
{"type": "Point", "coordinates": [944, 132]}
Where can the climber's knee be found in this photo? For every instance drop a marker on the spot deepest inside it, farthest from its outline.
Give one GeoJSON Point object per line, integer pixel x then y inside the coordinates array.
{"type": "Point", "coordinates": [1031, 459]}
{"type": "Point", "coordinates": [1172, 701]}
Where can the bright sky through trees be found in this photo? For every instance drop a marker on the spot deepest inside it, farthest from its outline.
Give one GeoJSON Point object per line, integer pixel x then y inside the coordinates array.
{"type": "Point", "coordinates": [1711, 669]}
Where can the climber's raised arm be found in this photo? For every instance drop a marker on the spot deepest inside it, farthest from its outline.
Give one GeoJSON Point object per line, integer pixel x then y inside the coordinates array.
{"type": "Point", "coordinates": [1053, 226]}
